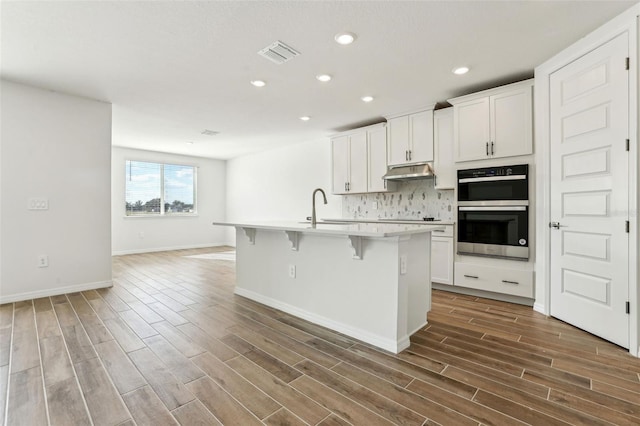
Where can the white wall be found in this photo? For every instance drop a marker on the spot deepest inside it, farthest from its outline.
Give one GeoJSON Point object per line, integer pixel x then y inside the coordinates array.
{"type": "Point", "coordinates": [145, 234]}
{"type": "Point", "coordinates": [58, 147]}
{"type": "Point", "coordinates": [277, 184]}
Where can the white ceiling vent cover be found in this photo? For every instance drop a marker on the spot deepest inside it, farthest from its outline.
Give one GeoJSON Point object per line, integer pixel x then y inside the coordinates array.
{"type": "Point", "coordinates": [279, 52]}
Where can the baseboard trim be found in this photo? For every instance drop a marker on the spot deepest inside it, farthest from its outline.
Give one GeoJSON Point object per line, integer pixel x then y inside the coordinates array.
{"type": "Point", "coordinates": [539, 307]}
{"type": "Point", "coordinates": [357, 333]}
{"type": "Point", "coordinates": [157, 249]}
{"type": "Point", "coordinates": [55, 291]}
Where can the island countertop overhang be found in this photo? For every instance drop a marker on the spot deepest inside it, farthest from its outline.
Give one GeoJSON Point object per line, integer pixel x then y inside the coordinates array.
{"type": "Point", "coordinates": [373, 230]}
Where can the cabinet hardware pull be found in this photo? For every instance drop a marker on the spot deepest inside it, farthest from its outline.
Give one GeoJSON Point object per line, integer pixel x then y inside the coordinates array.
{"type": "Point", "coordinates": [491, 147]}
{"type": "Point", "coordinates": [487, 147]}
{"type": "Point", "coordinates": [348, 186]}
{"type": "Point", "coordinates": [510, 282]}
{"type": "Point", "coordinates": [406, 156]}
{"type": "Point", "coordinates": [439, 230]}
{"type": "Point", "coordinates": [471, 276]}
{"type": "Point", "coordinates": [409, 155]}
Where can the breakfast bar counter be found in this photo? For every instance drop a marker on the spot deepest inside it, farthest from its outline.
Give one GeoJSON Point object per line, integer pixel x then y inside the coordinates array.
{"type": "Point", "coordinates": [370, 281]}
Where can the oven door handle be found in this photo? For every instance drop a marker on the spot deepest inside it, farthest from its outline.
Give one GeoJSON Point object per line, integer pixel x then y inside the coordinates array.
{"type": "Point", "coordinates": [492, 178]}
{"type": "Point", "coordinates": [493, 209]}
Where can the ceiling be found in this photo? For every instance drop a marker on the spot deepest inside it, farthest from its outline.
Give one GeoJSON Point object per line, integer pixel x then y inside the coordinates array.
{"type": "Point", "coordinates": [173, 69]}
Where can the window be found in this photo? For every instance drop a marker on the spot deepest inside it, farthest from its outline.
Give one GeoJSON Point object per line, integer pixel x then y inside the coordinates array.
{"type": "Point", "coordinates": [159, 189]}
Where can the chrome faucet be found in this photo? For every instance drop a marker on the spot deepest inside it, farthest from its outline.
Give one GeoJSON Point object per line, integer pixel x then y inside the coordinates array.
{"type": "Point", "coordinates": [313, 205]}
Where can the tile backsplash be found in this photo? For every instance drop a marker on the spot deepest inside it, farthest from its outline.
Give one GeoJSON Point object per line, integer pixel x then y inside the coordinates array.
{"type": "Point", "coordinates": [413, 199]}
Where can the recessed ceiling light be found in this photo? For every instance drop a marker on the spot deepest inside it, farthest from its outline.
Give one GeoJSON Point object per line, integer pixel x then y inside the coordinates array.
{"type": "Point", "coordinates": [305, 118]}
{"type": "Point", "coordinates": [367, 98]}
{"type": "Point", "coordinates": [345, 38]}
{"type": "Point", "coordinates": [258, 83]}
{"type": "Point", "coordinates": [323, 77]}
{"type": "Point", "coordinates": [460, 70]}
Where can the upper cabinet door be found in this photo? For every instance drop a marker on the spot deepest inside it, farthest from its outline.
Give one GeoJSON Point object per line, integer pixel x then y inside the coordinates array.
{"type": "Point", "coordinates": [494, 123]}
{"type": "Point", "coordinates": [445, 173]}
{"type": "Point", "coordinates": [398, 140]}
{"type": "Point", "coordinates": [377, 150]}
{"type": "Point", "coordinates": [511, 123]}
{"type": "Point", "coordinates": [421, 137]}
{"type": "Point", "coordinates": [471, 129]}
{"type": "Point", "coordinates": [358, 163]}
{"type": "Point", "coordinates": [340, 160]}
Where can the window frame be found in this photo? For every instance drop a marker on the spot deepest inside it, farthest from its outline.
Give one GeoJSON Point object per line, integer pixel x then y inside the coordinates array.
{"type": "Point", "coordinates": [162, 213]}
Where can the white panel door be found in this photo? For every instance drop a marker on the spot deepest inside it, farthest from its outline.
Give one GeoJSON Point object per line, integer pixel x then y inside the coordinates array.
{"type": "Point", "coordinates": [358, 162]}
{"type": "Point", "coordinates": [589, 192]}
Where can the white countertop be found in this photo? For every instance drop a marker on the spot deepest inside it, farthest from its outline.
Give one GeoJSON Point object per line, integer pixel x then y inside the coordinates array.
{"type": "Point", "coordinates": [398, 221]}
{"type": "Point", "coordinates": [359, 229]}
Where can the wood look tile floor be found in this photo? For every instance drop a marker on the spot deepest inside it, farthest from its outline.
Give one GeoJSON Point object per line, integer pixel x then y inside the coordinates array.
{"type": "Point", "coordinates": [171, 344]}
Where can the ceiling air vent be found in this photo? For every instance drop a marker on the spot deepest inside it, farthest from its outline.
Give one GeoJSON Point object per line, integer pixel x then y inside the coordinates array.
{"type": "Point", "coordinates": [278, 52]}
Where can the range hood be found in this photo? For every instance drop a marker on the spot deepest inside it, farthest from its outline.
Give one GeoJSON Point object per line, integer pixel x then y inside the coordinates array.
{"type": "Point", "coordinates": [413, 171]}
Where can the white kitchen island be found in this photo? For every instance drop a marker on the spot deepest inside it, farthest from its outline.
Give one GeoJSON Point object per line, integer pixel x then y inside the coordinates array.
{"type": "Point", "coordinates": [370, 281]}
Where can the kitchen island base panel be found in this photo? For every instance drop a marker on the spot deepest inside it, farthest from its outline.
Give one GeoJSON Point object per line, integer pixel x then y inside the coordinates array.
{"type": "Point", "coordinates": [372, 299]}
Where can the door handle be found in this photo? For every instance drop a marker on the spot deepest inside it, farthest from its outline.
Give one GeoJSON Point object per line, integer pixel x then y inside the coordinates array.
{"type": "Point", "coordinates": [409, 155]}
{"type": "Point", "coordinates": [556, 225]}
{"type": "Point", "coordinates": [487, 148]}
{"type": "Point", "coordinates": [510, 282]}
{"type": "Point", "coordinates": [491, 147]}
{"type": "Point", "coordinates": [406, 156]}
{"type": "Point", "coordinates": [471, 276]}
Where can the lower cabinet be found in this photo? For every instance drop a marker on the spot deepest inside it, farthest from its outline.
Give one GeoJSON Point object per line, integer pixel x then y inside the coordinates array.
{"type": "Point", "coordinates": [442, 253]}
{"type": "Point", "coordinates": [516, 282]}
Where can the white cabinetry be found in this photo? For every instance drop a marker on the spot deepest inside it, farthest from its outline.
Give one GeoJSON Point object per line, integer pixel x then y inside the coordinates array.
{"type": "Point", "coordinates": [442, 254]}
{"type": "Point", "coordinates": [349, 155]}
{"type": "Point", "coordinates": [411, 138]}
{"type": "Point", "coordinates": [377, 159]}
{"type": "Point", "coordinates": [445, 173]}
{"type": "Point", "coordinates": [516, 282]}
{"type": "Point", "coordinates": [359, 160]}
{"type": "Point", "coordinates": [494, 123]}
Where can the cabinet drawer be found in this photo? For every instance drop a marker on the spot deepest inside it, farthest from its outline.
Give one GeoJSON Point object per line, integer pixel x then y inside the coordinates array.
{"type": "Point", "coordinates": [447, 232]}
{"type": "Point", "coordinates": [499, 280]}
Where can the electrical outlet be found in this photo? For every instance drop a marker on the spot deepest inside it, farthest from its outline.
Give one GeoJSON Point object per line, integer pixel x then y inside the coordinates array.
{"type": "Point", "coordinates": [403, 264]}
{"type": "Point", "coordinates": [43, 261]}
{"type": "Point", "coordinates": [38, 204]}
{"type": "Point", "coordinates": [292, 271]}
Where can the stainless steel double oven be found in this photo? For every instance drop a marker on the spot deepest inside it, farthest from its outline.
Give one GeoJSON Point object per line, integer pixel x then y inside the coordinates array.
{"type": "Point", "coordinates": [493, 212]}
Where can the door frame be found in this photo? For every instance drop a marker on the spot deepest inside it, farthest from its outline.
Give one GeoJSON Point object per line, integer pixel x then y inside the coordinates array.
{"type": "Point", "coordinates": [626, 22]}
